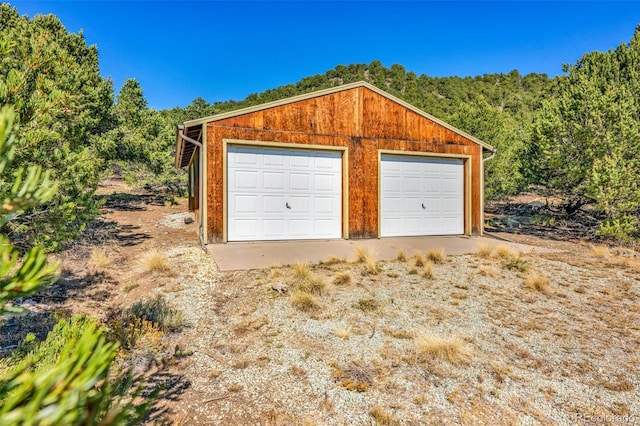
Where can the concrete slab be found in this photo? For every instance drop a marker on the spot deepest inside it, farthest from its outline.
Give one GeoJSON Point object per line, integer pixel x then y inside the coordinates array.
{"type": "Point", "coordinates": [258, 255]}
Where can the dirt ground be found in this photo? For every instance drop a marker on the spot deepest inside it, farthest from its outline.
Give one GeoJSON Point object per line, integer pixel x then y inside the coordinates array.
{"type": "Point", "coordinates": [491, 338]}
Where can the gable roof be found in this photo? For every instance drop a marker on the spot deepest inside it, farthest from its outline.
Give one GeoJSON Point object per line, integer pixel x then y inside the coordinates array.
{"type": "Point", "coordinates": [216, 117]}
{"type": "Point", "coordinates": [329, 91]}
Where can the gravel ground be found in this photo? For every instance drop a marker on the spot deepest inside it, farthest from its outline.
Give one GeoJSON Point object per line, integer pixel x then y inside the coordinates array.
{"type": "Point", "coordinates": [565, 353]}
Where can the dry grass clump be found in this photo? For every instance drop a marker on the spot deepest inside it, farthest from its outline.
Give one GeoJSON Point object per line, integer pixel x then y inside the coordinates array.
{"type": "Point", "coordinates": [450, 349]}
{"type": "Point", "coordinates": [366, 256]}
{"type": "Point", "coordinates": [368, 304]}
{"type": "Point", "coordinates": [427, 271]}
{"type": "Point", "coordinates": [235, 387]}
{"type": "Point", "coordinates": [413, 271]}
{"type": "Point", "coordinates": [485, 250]}
{"type": "Point", "coordinates": [537, 281]}
{"type": "Point", "coordinates": [487, 271]}
{"type": "Point", "coordinates": [401, 256]}
{"type": "Point", "coordinates": [306, 281]}
{"type": "Point", "coordinates": [342, 278]}
{"type": "Point", "coordinates": [512, 260]}
{"type": "Point", "coordinates": [382, 417]}
{"type": "Point", "coordinates": [316, 285]}
{"type": "Point", "coordinates": [332, 260]}
{"type": "Point", "coordinates": [516, 263]}
{"type": "Point", "coordinates": [419, 259]}
{"type": "Point", "coordinates": [436, 255]}
{"type": "Point", "coordinates": [342, 333]}
{"type": "Point", "coordinates": [355, 376]}
{"type": "Point", "coordinates": [371, 267]}
{"type": "Point", "coordinates": [363, 254]}
{"type": "Point", "coordinates": [304, 301]}
{"type": "Point", "coordinates": [154, 261]}
{"type": "Point", "coordinates": [99, 258]}
{"type": "Point", "coordinates": [398, 334]}
{"type": "Point", "coordinates": [301, 272]}
{"type": "Point", "coordinates": [600, 251]}
{"type": "Point", "coordinates": [504, 252]}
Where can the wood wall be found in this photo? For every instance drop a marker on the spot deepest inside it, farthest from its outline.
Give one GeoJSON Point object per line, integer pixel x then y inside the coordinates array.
{"type": "Point", "coordinates": [359, 119]}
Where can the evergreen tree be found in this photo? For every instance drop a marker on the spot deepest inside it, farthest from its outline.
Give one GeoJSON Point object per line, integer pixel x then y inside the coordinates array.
{"type": "Point", "coordinates": [52, 80]}
{"type": "Point", "coordinates": [587, 137]}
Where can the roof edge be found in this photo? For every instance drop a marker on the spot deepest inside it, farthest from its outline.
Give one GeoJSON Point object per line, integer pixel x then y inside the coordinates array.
{"type": "Point", "coordinates": [329, 91]}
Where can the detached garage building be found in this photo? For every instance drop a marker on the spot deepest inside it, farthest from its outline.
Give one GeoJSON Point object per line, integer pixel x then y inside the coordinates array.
{"type": "Point", "coordinates": [346, 162]}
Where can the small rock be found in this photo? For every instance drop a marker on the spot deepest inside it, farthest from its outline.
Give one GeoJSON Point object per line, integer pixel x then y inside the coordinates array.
{"type": "Point", "coordinates": [513, 223]}
{"type": "Point", "coordinates": [188, 220]}
{"type": "Point", "coordinates": [280, 287]}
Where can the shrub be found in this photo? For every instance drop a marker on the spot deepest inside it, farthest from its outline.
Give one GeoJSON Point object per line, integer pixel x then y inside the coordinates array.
{"type": "Point", "coordinates": [368, 304]}
{"type": "Point", "coordinates": [517, 263]}
{"type": "Point", "coordinates": [76, 354]}
{"type": "Point", "coordinates": [159, 312]}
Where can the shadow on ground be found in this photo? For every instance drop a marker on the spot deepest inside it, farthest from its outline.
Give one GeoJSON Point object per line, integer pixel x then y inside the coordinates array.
{"type": "Point", "coordinates": [169, 387]}
{"type": "Point", "coordinates": [134, 202]}
{"type": "Point", "coordinates": [541, 220]}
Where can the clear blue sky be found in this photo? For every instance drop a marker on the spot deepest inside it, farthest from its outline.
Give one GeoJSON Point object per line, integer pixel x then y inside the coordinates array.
{"type": "Point", "coordinates": [227, 50]}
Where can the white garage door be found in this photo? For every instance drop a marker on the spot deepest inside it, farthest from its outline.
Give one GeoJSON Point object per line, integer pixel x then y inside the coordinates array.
{"type": "Point", "coordinates": [283, 194]}
{"type": "Point", "coordinates": [421, 196]}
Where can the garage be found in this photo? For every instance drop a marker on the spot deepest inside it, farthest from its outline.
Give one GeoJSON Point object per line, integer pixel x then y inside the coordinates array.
{"type": "Point", "coordinates": [283, 194]}
{"type": "Point", "coordinates": [348, 161]}
{"type": "Point", "coordinates": [421, 196]}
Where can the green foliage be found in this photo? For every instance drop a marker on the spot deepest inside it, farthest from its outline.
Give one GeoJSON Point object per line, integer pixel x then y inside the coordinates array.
{"type": "Point", "coordinates": [52, 80]}
{"type": "Point", "coordinates": [586, 140]}
{"type": "Point", "coordinates": [20, 277]}
{"type": "Point", "coordinates": [65, 380]}
{"type": "Point", "coordinates": [142, 141]}
{"type": "Point", "coordinates": [503, 172]}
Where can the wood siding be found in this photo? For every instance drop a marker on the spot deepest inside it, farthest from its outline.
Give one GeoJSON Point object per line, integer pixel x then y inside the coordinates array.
{"type": "Point", "coordinates": [359, 119]}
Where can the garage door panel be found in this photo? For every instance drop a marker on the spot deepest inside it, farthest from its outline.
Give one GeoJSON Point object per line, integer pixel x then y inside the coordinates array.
{"type": "Point", "coordinates": [435, 183]}
{"type": "Point", "coordinates": [271, 159]}
{"type": "Point", "coordinates": [300, 204]}
{"type": "Point", "coordinates": [299, 227]}
{"type": "Point", "coordinates": [299, 182]}
{"type": "Point", "coordinates": [394, 205]}
{"type": "Point", "coordinates": [326, 228]}
{"type": "Point", "coordinates": [273, 204]}
{"type": "Point", "coordinates": [246, 203]}
{"type": "Point", "coordinates": [326, 162]}
{"type": "Point", "coordinates": [451, 206]}
{"type": "Point", "coordinates": [310, 182]}
{"type": "Point", "coordinates": [244, 179]}
{"type": "Point", "coordinates": [326, 182]}
{"type": "Point", "coordinates": [324, 205]}
{"type": "Point", "coordinates": [244, 228]}
{"type": "Point", "coordinates": [273, 181]}
{"type": "Point", "coordinates": [245, 158]}
{"type": "Point", "coordinates": [411, 205]}
{"type": "Point", "coordinates": [412, 184]}
{"type": "Point", "coordinates": [273, 228]}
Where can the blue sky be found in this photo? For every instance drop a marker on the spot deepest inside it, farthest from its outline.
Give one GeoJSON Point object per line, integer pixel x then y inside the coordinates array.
{"type": "Point", "coordinates": [227, 50]}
